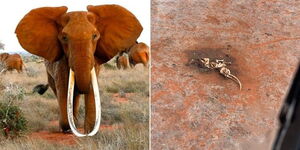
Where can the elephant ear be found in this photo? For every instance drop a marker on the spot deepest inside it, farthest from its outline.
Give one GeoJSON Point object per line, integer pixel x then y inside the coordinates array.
{"type": "Point", "coordinates": [37, 32]}
{"type": "Point", "coordinates": [118, 27]}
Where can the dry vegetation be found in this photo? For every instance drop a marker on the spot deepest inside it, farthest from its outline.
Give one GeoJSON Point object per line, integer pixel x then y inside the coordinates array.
{"type": "Point", "coordinates": [127, 120]}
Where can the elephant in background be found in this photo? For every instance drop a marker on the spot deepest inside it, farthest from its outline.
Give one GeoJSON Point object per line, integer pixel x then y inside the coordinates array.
{"type": "Point", "coordinates": [122, 61]}
{"type": "Point", "coordinates": [11, 62]}
{"type": "Point", "coordinates": [76, 43]}
{"type": "Point", "coordinates": [139, 53]}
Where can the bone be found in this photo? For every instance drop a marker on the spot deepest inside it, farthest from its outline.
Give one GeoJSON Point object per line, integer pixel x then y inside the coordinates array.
{"type": "Point", "coordinates": [70, 104]}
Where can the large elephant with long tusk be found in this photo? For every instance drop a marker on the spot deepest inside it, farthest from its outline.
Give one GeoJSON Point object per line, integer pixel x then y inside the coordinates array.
{"type": "Point", "coordinates": [74, 45]}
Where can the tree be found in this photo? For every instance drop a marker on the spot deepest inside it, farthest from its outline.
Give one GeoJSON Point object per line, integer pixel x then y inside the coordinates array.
{"type": "Point", "coordinates": [2, 45]}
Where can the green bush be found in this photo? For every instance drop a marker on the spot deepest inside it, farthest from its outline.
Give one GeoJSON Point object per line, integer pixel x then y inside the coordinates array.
{"type": "Point", "coordinates": [12, 121]}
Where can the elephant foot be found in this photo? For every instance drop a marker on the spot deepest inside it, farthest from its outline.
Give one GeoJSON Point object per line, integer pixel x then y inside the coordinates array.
{"type": "Point", "coordinates": [69, 131]}
{"type": "Point", "coordinates": [64, 125]}
{"type": "Point", "coordinates": [88, 126]}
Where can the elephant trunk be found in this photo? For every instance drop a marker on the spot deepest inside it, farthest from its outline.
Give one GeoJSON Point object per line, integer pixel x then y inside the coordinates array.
{"type": "Point", "coordinates": [81, 61]}
{"type": "Point", "coordinates": [82, 67]}
{"type": "Point", "coordinates": [83, 77]}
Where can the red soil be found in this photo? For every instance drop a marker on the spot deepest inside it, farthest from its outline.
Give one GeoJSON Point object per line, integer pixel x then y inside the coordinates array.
{"type": "Point", "coordinates": [63, 138]}
{"type": "Point", "coordinates": [55, 137]}
{"type": "Point", "coordinates": [193, 108]}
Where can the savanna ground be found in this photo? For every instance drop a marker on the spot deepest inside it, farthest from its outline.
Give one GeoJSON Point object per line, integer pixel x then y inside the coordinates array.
{"type": "Point", "coordinates": [125, 114]}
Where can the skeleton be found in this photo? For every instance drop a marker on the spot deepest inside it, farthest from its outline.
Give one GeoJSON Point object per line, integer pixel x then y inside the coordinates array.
{"type": "Point", "coordinates": [221, 66]}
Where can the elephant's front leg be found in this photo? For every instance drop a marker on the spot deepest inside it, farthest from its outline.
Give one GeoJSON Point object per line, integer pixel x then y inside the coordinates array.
{"type": "Point", "coordinates": [63, 120]}
{"type": "Point", "coordinates": [63, 117]}
{"type": "Point", "coordinates": [90, 112]}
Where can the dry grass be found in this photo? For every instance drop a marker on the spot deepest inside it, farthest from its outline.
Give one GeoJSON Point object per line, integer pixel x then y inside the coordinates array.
{"type": "Point", "coordinates": [131, 118]}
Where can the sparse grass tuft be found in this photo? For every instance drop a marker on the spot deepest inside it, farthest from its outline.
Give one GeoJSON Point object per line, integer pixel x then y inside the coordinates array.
{"type": "Point", "coordinates": [31, 72]}
{"type": "Point", "coordinates": [40, 112]}
{"type": "Point", "coordinates": [127, 87]}
{"type": "Point", "coordinates": [14, 92]}
{"type": "Point", "coordinates": [32, 144]}
{"type": "Point", "coordinates": [129, 136]}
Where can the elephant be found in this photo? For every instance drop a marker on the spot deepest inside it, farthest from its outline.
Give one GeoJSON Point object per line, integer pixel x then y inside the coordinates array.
{"type": "Point", "coordinates": [3, 56]}
{"type": "Point", "coordinates": [139, 53]}
{"type": "Point", "coordinates": [122, 61]}
{"type": "Point", "coordinates": [11, 62]}
{"type": "Point", "coordinates": [74, 45]}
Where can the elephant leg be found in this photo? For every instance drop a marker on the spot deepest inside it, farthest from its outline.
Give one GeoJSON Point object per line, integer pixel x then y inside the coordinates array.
{"type": "Point", "coordinates": [90, 112]}
{"type": "Point", "coordinates": [20, 70]}
{"type": "Point", "coordinates": [61, 86]}
{"type": "Point", "coordinates": [76, 107]}
{"type": "Point", "coordinates": [51, 83]}
{"type": "Point", "coordinates": [63, 121]}
{"type": "Point", "coordinates": [63, 118]}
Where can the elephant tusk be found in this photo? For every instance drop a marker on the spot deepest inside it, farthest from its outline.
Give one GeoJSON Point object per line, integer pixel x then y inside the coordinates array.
{"type": "Point", "coordinates": [97, 103]}
{"type": "Point", "coordinates": [70, 104]}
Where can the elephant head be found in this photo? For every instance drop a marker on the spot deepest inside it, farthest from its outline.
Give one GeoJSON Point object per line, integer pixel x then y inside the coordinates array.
{"type": "Point", "coordinates": [3, 56]}
{"type": "Point", "coordinates": [81, 36]}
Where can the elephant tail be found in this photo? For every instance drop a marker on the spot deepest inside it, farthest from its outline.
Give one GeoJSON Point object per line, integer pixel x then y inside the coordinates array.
{"type": "Point", "coordinates": [41, 88]}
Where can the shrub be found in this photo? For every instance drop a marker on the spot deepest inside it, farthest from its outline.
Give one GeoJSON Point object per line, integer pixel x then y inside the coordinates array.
{"type": "Point", "coordinates": [14, 92]}
{"type": "Point", "coordinates": [12, 122]}
{"type": "Point", "coordinates": [31, 72]}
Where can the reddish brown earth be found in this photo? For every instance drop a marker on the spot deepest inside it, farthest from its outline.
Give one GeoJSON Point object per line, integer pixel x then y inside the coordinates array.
{"type": "Point", "coordinates": [55, 137]}
{"type": "Point", "coordinates": [63, 138]}
{"type": "Point", "coordinates": [193, 108]}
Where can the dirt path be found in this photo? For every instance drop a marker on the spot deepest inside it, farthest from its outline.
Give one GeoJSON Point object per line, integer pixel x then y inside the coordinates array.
{"type": "Point", "coordinates": [193, 108]}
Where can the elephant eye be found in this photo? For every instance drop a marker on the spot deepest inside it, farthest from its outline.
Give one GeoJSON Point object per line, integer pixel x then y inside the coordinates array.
{"type": "Point", "coordinates": [94, 36]}
{"type": "Point", "coordinates": [64, 38]}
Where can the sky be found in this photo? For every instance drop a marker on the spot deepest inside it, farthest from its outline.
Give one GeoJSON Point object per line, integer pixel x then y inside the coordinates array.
{"type": "Point", "coordinates": [12, 11]}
